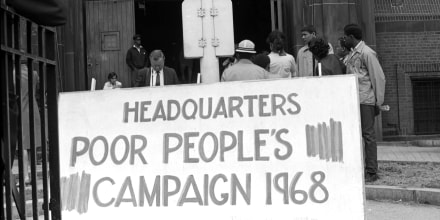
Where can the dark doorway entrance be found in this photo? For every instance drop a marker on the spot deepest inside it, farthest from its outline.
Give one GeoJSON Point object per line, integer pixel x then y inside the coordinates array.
{"type": "Point", "coordinates": [252, 21]}
{"type": "Point", "coordinates": [160, 24]}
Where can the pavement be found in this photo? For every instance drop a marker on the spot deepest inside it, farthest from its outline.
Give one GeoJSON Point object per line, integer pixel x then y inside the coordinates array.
{"type": "Point", "coordinates": [406, 152]}
{"type": "Point", "coordinates": [385, 210]}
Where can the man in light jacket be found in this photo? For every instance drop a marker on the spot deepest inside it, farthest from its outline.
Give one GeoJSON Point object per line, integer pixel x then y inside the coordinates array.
{"type": "Point", "coordinates": [363, 62]}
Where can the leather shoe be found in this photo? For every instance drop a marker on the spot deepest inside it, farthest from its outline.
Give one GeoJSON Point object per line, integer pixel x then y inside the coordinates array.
{"type": "Point", "coordinates": [371, 177]}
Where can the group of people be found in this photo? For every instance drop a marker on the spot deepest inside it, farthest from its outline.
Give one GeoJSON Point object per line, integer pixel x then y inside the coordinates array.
{"type": "Point", "coordinates": [315, 58]}
{"type": "Point", "coordinates": [248, 66]}
{"type": "Point", "coordinates": [146, 69]}
{"type": "Point", "coordinates": [279, 64]}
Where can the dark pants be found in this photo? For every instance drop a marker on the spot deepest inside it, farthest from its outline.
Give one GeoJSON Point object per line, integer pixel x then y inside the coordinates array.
{"type": "Point", "coordinates": [369, 138]}
{"type": "Point", "coordinates": [13, 126]}
{"type": "Point", "coordinates": [134, 75]}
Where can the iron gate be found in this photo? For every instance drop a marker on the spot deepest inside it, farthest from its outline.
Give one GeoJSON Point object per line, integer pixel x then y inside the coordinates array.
{"type": "Point", "coordinates": [28, 50]}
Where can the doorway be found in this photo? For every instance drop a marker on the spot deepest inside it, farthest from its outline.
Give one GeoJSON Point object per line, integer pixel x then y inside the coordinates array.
{"type": "Point", "coordinates": [252, 21]}
{"type": "Point", "coordinates": [160, 24]}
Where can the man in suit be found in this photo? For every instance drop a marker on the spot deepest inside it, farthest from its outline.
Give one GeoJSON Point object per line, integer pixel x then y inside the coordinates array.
{"type": "Point", "coordinates": [158, 74]}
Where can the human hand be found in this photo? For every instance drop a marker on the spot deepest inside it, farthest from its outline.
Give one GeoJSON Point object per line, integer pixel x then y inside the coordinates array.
{"type": "Point", "coordinates": [384, 108]}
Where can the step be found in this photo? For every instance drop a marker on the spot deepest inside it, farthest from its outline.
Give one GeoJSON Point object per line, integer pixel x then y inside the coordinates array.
{"type": "Point", "coordinates": [15, 214]}
{"type": "Point", "coordinates": [39, 175]}
{"type": "Point", "coordinates": [28, 190]}
{"type": "Point", "coordinates": [39, 169]}
{"type": "Point", "coordinates": [40, 217]}
{"type": "Point", "coordinates": [28, 197]}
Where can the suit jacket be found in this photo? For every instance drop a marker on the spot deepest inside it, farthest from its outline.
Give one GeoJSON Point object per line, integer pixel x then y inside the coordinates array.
{"type": "Point", "coordinates": [144, 76]}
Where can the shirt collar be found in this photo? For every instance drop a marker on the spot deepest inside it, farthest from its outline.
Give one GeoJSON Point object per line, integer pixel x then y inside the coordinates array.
{"type": "Point", "coordinates": [245, 61]}
{"type": "Point", "coordinates": [154, 71]}
{"type": "Point", "coordinates": [306, 47]}
{"type": "Point", "coordinates": [140, 46]}
{"type": "Point", "coordinates": [359, 46]}
{"type": "Point", "coordinates": [358, 49]}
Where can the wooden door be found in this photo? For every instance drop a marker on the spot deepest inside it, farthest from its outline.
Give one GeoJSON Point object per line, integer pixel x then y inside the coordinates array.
{"type": "Point", "coordinates": [109, 32]}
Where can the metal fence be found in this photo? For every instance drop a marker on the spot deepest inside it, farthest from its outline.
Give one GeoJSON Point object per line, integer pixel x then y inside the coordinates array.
{"type": "Point", "coordinates": [28, 55]}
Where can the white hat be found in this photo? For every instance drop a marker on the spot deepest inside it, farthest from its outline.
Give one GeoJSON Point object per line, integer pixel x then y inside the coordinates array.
{"type": "Point", "coordinates": [246, 46]}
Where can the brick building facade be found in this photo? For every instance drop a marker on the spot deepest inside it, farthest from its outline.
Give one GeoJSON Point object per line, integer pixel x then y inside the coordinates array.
{"type": "Point", "coordinates": [408, 45]}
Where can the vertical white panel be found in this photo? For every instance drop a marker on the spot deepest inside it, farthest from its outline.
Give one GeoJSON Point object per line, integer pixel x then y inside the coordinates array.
{"type": "Point", "coordinates": [280, 16]}
{"type": "Point", "coordinates": [272, 14]}
{"type": "Point", "coordinates": [224, 28]}
{"type": "Point", "coordinates": [192, 29]}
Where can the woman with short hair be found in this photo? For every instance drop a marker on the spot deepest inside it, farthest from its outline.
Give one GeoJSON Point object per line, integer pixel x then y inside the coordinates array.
{"type": "Point", "coordinates": [330, 64]}
{"type": "Point", "coordinates": [112, 82]}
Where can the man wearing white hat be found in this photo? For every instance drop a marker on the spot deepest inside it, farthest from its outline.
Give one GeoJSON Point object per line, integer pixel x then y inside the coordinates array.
{"type": "Point", "coordinates": [244, 69]}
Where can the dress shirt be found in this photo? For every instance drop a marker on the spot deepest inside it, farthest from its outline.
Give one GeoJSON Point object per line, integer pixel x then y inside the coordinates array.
{"type": "Point", "coordinates": [154, 77]}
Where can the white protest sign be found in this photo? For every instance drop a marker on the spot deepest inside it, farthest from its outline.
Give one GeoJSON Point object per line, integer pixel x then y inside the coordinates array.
{"type": "Point", "coordinates": [275, 149]}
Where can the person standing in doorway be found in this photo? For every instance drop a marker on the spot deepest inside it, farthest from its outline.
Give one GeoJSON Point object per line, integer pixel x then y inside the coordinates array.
{"type": "Point", "coordinates": [306, 63]}
{"type": "Point", "coordinates": [158, 74]}
{"type": "Point", "coordinates": [363, 62]}
{"type": "Point", "coordinates": [137, 58]}
{"type": "Point", "coordinates": [282, 64]}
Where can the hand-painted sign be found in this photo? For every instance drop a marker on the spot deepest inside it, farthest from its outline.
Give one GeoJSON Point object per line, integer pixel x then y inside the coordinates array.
{"type": "Point", "coordinates": [275, 149]}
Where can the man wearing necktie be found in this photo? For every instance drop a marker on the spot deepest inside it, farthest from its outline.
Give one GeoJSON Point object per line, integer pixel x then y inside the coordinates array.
{"type": "Point", "coordinates": [158, 74]}
{"type": "Point", "coordinates": [158, 79]}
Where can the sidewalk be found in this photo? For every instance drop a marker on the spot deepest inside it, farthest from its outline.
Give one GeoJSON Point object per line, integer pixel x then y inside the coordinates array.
{"type": "Point", "coordinates": [387, 151]}
{"type": "Point", "coordinates": [408, 154]}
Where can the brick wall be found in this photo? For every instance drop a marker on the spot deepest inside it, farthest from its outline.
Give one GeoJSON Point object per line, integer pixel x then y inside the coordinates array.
{"type": "Point", "coordinates": [396, 48]}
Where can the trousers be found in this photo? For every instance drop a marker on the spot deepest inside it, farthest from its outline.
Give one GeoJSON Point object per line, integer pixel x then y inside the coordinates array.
{"type": "Point", "coordinates": [369, 138]}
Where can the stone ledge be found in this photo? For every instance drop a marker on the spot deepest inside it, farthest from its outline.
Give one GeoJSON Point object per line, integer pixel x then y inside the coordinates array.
{"type": "Point", "coordinates": [414, 143]}
{"type": "Point", "coordinates": [418, 195]}
{"type": "Point", "coordinates": [426, 143]}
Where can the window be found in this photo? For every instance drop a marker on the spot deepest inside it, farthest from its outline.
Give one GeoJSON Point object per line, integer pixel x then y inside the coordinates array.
{"type": "Point", "coordinates": [426, 104]}
{"type": "Point", "coordinates": [110, 40]}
